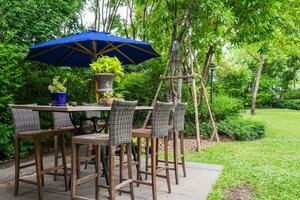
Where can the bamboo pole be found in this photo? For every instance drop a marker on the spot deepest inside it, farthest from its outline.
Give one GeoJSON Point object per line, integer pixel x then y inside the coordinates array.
{"type": "Point", "coordinates": [215, 130]}
{"type": "Point", "coordinates": [155, 98]}
{"type": "Point", "coordinates": [194, 96]}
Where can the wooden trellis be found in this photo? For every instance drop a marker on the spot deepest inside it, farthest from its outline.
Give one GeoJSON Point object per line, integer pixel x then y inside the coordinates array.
{"type": "Point", "coordinates": [172, 73]}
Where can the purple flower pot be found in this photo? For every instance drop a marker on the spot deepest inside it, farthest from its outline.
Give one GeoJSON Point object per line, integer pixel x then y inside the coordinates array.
{"type": "Point", "coordinates": [59, 98]}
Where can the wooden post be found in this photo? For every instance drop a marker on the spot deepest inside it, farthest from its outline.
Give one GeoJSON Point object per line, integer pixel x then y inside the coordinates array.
{"type": "Point", "coordinates": [96, 92]}
{"type": "Point", "coordinates": [194, 96]}
{"type": "Point", "coordinates": [215, 130]}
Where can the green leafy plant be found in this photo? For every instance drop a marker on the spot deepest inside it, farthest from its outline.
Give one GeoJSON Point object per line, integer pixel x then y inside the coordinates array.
{"type": "Point", "coordinates": [57, 85]}
{"type": "Point", "coordinates": [236, 128]}
{"type": "Point", "coordinates": [107, 95]}
{"type": "Point", "coordinates": [119, 95]}
{"type": "Point", "coordinates": [108, 64]}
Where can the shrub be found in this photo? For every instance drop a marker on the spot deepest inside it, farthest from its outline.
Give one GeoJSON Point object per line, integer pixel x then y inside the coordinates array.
{"type": "Point", "coordinates": [241, 129]}
{"type": "Point", "coordinates": [236, 128]}
{"type": "Point", "coordinates": [292, 94]}
{"type": "Point", "coordinates": [223, 106]}
{"type": "Point", "coordinates": [6, 142]}
{"type": "Point", "coordinates": [288, 104]}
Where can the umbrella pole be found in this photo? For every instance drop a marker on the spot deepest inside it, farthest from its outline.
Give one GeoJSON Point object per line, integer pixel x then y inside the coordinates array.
{"type": "Point", "coordinates": [96, 89]}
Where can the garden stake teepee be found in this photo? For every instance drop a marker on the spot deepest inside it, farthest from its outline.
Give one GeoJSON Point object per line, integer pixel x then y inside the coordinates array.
{"type": "Point", "coordinates": [173, 72]}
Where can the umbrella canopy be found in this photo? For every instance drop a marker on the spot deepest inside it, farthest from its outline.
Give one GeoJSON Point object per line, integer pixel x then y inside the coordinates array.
{"type": "Point", "coordinates": [81, 49]}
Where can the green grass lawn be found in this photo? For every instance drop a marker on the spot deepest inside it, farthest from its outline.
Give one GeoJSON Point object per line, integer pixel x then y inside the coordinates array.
{"type": "Point", "coordinates": [269, 166]}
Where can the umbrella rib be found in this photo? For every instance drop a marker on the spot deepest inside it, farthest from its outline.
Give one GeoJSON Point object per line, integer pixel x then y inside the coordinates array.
{"type": "Point", "coordinates": [141, 49]}
{"type": "Point", "coordinates": [102, 50]}
{"type": "Point", "coordinates": [75, 49]}
{"type": "Point", "coordinates": [111, 49]}
{"type": "Point", "coordinates": [45, 51]}
{"type": "Point", "coordinates": [66, 57]}
{"type": "Point", "coordinates": [84, 48]}
{"type": "Point", "coordinates": [123, 54]}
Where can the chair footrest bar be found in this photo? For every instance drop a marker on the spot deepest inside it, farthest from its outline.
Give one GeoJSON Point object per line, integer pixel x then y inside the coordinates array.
{"type": "Point", "coordinates": [142, 182]}
{"type": "Point", "coordinates": [27, 165]}
{"type": "Point", "coordinates": [55, 174]}
{"type": "Point", "coordinates": [27, 181]}
{"type": "Point", "coordinates": [45, 171]}
{"type": "Point", "coordinates": [123, 184]}
{"type": "Point", "coordinates": [149, 173]}
{"type": "Point", "coordinates": [86, 178]}
{"type": "Point", "coordinates": [161, 169]}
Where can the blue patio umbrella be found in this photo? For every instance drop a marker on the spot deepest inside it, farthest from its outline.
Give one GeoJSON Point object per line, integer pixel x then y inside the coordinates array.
{"type": "Point", "coordinates": [81, 49]}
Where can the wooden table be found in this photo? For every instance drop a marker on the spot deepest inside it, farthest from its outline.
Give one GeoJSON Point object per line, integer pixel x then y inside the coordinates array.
{"type": "Point", "coordinates": [48, 108]}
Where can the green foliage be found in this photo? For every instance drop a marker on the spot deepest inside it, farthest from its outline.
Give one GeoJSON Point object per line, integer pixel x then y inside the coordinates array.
{"type": "Point", "coordinates": [107, 95]}
{"type": "Point", "coordinates": [57, 85]}
{"type": "Point", "coordinates": [223, 106]}
{"type": "Point", "coordinates": [119, 95]}
{"type": "Point", "coordinates": [241, 129]}
{"type": "Point", "coordinates": [142, 84]}
{"type": "Point", "coordinates": [288, 104]}
{"type": "Point", "coordinates": [24, 23]}
{"type": "Point", "coordinates": [236, 128]}
{"type": "Point", "coordinates": [233, 81]}
{"type": "Point", "coordinates": [6, 141]}
{"type": "Point", "coordinates": [108, 64]}
{"type": "Point", "coordinates": [292, 94]}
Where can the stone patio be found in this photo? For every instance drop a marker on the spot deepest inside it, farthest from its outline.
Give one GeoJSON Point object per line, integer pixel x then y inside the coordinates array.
{"type": "Point", "coordinates": [196, 186]}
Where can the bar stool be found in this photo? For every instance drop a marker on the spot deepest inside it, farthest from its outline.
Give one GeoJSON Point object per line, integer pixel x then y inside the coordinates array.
{"type": "Point", "coordinates": [176, 131]}
{"type": "Point", "coordinates": [159, 130]}
{"type": "Point", "coordinates": [63, 123]}
{"type": "Point", "coordinates": [93, 123]}
{"type": "Point", "coordinates": [27, 125]}
{"type": "Point", "coordinates": [120, 134]}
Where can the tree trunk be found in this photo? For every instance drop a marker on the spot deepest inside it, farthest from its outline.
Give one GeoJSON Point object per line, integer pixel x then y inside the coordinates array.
{"type": "Point", "coordinates": [256, 87]}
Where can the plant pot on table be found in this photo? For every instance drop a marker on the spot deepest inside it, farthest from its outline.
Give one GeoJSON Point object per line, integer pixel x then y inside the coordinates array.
{"type": "Point", "coordinates": [106, 101]}
{"type": "Point", "coordinates": [105, 82]}
{"type": "Point", "coordinates": [59, 98]}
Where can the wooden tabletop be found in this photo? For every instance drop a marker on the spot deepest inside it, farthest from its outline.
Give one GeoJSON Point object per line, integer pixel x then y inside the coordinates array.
{"type": "Point", "coordinates": [48, 108]}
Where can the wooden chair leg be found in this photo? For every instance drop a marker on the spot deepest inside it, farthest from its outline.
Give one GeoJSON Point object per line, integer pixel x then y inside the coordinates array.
{"type": "Point", "coordinates": [37, 156]}
{"type": "Point", "coordinates": [42, 165]}
{"type": "Point", "coordinates": [17, 164]}
{"type": "Point", "coordinates": [112, 191]}
{"type": "Point", "coordinates": [147, 157]}
{"type": "Point", "coordinates": [182, 153]}
{"type": "Point", "coordinates": [64, 161]}
{"type": "Point", "coordinates": [157, 151]}
{"type": "Point", "coordinates": [138, 165]}
{"type": "Point", "coordinates": [129, 160]}
{"type": "Point", "coordinates": [74, 170]}
{"type": "Point", "coordinates": [103, 155]}
{"type": "Point", "coordinates": [166, 154]}
{"type": "Point", "coordinates": [56, 146]}
{"type": "Point", "coordinates": [153, 168]}
{"type": "Point", "coordinates": [121, 163]}
{"type": "Point", "coordinates": [97, 171]}
{"type": "Point", "coordinates": [175, 140]}
{"type": "Point", "coordinates": [87, 154]}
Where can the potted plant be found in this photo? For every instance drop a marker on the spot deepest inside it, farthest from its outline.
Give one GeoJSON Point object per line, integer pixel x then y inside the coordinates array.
{"type": "Point", "coordinates": [119, 96]}
{"type": "Point", "coordinates": [106, 69]}
{"type": "Point", "coordinates": [107, 99]}
{"type": "Point", "coordinates": [58, 92]}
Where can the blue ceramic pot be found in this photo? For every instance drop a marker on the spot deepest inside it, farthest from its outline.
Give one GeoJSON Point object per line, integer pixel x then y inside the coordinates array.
{"type": "Point", "coordinates": [59, 98]}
